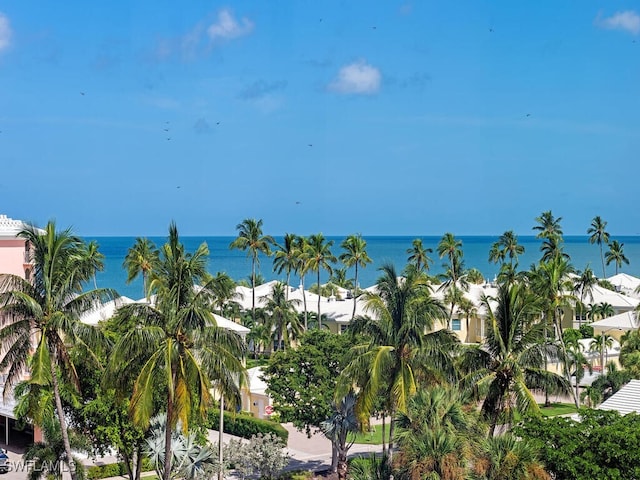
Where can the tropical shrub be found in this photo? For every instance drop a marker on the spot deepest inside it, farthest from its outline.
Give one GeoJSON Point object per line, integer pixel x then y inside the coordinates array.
{"type": "Point", "coordinates": [246, 426]}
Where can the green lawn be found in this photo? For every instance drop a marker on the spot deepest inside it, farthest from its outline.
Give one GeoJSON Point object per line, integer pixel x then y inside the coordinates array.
{"type": "Point", "coordinates": [558, 409]}
{"type": "Point", "coordinates": [374, 437]}
{"type": "Point", "coordinates": [257, 362]}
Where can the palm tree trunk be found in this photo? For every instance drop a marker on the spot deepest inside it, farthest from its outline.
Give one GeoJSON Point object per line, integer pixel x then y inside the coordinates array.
{"type": "Point", "coordinates": [355, 294]}
{"type": "Point", "coordinates": [253, 290]}
{"type": "Point", "coordinates": [604, 273]}
{"type": "Point", "coordinates": [384, 440]}
{"type": "Point", "coordinates": [318, 298]}
{"type": "Point", "coordinates": [392, 428]}
{"type": "Point", "coordinates": [63, 423]}
{"type": "Point", "coordinates": [304, 301]}
{"type": "Point", "coordinates": [220, 438]}
{"type": "Point", "coordinates": [166, 475]}
{"type": "Point", "coordinates": [288, 287]}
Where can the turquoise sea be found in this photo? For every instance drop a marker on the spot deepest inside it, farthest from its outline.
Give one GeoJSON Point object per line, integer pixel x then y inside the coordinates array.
{"type": "Point", "coordinates": [380, 249]}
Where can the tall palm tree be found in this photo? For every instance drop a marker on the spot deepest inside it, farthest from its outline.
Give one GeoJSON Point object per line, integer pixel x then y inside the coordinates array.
{"type": "Point", "coordinates": [506, 246]}
{"type": "Point", "coordinates": [469, 310]}
{"type": "Point", "coordinates": [451, 248]}
{"type": "Point", "coordinates": [319, 257]}
{"type": "Point", "coordinates": [140, 259]}
{"type": "Point", "coordinates": [553, 284]}
{"type": "Point", "coordinates": [355, 255]}
{"type": "Point", "coordinates": [583, 285]}
{"type": "Point", "coordinates": [512, 360]}
{"type": "Point", "coordinates": [598, 234]}
{"type": "Point", "coordinates": [224, 291]}
{"type": "Point", "coordinates": [281, 316]}
{"type": "Point", "coordinates": [419, 255]}
{"type": "Point", "coordinates": [177, 341]}
{"type": "Point", "coordinates": [251, 240]}
{"type": "Point", "coordinates": [616, 254]}
{"type": "Point", "coordinates": [396, 348]}
{"type": "Point", "coordinates": [95, 260]}
{"type": "Point", "coordinates": [40, 317]}
{"type": "Point", "coordinates": [548, 226]}
{"type": "Point", "coordinates": [284, 258]}
{"type": "Point", "coordinates": [453, 280]}
{"type": "Point", "coordinates": [301, 255]}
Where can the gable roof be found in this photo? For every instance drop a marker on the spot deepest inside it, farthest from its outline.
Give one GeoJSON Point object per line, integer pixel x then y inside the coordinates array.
{"type": "Point", "coordinates": [625, 400]}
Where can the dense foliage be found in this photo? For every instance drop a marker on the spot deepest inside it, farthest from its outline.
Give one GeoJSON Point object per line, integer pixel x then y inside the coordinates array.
{"type": "Point", "coordinates": [245, 426]}
{"type": "Point", "coordinates": [602, 445]}
{"type": "Point", "coordinates": [302, 381]}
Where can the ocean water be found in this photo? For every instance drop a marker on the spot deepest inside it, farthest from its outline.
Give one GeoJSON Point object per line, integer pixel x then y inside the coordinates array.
{"type": "Point", "coordinates": [381, 249]}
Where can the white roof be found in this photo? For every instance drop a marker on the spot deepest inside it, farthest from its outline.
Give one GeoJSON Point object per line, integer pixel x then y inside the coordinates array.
{"type": "Point", "coordinates": [615, 299]}
{"type": "Point", "coordinates": [104, 311]}
{"type": "Point", "coordinates": [625, 281]}
{"type": "Point", "coordinates": [256, 384]}
{"type": "Point", "coordinates": [626, 400]}
{"type": "Point", "coordinates": [10, 227]}
{"type": "Point", "coordinates": [623, 321]}
{"type": "Point", "coordinates": [230, 325]}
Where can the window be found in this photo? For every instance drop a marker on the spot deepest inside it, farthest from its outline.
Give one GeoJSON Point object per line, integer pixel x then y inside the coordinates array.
{"type": "Point", "coordinates": [455, 325]}
{"type": "Point", "coordinates": [343, 328]}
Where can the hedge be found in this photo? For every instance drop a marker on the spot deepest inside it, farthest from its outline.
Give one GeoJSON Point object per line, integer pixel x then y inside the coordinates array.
{"type": "Point", "coordinates": [114, 470]}
{"type": "Point", "coordinates": [245, 426]}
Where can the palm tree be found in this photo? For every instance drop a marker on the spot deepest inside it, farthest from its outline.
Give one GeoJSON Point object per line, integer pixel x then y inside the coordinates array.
{"type": "Point", "coordinates": [552, 282]}
{"type": "Point", "coordinates": [339, 278]}
{"type": "Point", "coordinates": [259, 336]}
{"type": "Point", "coordinates": [284, 258]}
{"type": "Point", "coordinates": [616, 254]}
{"type": "Point", "coordinates": [46, 455]}
{"type": "Point", "coordinates": [450, 247]}
{"type": "Point", "coordinates": [301, 256]}
{"type": "Point", "coordinates": [599, 235]}
{"type": "Point", "coordinates": [280, 315]}
{"type": "Point", "coordinates": [251, 240]}
{"type": "Point", "coordinates": [396, 349]}
{"type": "Point", "coordinates": [601, 344]}
{"type": "Point", "coordinates": [433, 435]}
{"type": "Point", "coordinates": [177, 341]}
{"type": "Point", "coordinates": [319, 257]}
{"type": "Point", "coordinates": [418, 255]}
{"type": "Point", "coordinates": [506, 456]}
{"type": "Point", "coordinates": [40, 317]}
{"type": "Point", "coordinates": [583, 285]}
{"type": "Point", "coordinates": [475, 276]}
{"type": "Point", "coordinates": [606, 310]}
{"type": "Point", "coordinates": [224, 291]}
{"type": "Point", "coordinates": [95, 260]}
{"type": "Point", "coordinates": [337, 428]}
{"type": "Point", "coordinates": [355, 255]}
{"type": "Point", "coordinates": [140, 259]}
{"type": "Point", "coordinates": [548, 226]}
{"type": "Point", "coordinates": [469, 310]}
{"type": "Point", "coordinates": [506, 246]}
{"type": "Point", "coordinates": [512, 360]}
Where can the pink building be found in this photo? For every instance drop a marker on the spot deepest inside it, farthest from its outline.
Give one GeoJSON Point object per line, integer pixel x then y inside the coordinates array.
{"type": "Point", "coordinates": [14, 259]}
{"type": "Point", "coordinates": [14, 256]}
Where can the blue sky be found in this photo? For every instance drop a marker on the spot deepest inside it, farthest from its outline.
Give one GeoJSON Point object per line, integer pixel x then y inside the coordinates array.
{"type": "Point", "coordinates": [396, 118]}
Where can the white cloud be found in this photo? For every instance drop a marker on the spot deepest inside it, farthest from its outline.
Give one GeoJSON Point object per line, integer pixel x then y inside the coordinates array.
{"type": "Point", "coordinates": [5, 32]}
{"type": "Point", "coordinates": [228, 27]}
{"type": "Point", "coordinates": [357, 78]}
{"type": "Point", "coordinates": [628, 21]}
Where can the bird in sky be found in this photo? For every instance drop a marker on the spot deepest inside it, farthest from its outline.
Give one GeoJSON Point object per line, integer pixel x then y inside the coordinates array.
{"type": "Point", "coordinates": [297, 203]}
{"type": "Point", "coordinates": [311, 144]}
{"type": "Point", "coordinates": [490, 29]}
{"type": "Point", "coordinates": [528, 115]}
{"type": "Point", "coordinates": [166, 129]}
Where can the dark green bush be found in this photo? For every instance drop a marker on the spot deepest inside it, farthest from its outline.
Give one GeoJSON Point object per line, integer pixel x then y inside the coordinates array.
{"type": "Point", "coordinates": [114, 470]}
{"type": "Point", "coordinates": [246, 426]}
